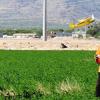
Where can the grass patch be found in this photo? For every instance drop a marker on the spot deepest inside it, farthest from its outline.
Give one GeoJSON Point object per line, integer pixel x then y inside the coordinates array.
{"type": "Point", "coordinates": [68, 87]}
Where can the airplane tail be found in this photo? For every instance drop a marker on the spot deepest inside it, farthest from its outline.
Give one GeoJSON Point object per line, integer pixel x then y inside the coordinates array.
{"type": "Point", "coordinates": [71, 25]}
{"type": "Point", "coordinates": [93, 17]}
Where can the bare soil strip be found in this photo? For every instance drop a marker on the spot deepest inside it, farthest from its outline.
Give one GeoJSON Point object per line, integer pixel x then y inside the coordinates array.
{"type": "Point", "coordinates": [50, 44]}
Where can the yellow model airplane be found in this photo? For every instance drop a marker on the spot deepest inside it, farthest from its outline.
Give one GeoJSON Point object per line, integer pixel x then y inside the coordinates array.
{"type": "Point", "coordinates": [82, 22]}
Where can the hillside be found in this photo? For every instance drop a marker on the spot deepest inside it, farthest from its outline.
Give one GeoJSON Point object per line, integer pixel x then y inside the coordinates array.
{"type": "Point", "coordinates": [28, 13]}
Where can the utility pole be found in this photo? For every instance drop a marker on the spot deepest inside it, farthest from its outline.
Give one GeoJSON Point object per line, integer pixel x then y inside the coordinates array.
{"type": "Point", "coordinates": [44, 20]}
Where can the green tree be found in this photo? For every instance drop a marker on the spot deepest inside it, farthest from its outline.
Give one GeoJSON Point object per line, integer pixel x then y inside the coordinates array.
{"type": "Point", "coordinates": [94, 31]}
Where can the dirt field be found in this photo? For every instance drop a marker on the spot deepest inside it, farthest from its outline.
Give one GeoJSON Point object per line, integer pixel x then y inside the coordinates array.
{"type": "Point", "coordinates": [50, 44]}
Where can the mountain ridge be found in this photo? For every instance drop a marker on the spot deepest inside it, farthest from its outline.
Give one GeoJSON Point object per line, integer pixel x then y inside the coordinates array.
{"type": "Point", "coordinates": [59, 11]}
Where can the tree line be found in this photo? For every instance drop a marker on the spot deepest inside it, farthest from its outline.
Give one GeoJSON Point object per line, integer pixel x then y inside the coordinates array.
{"type": "Point", "coordinates": [95, 30]}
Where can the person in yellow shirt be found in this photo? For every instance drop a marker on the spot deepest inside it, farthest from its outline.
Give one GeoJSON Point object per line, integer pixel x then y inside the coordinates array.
{"type": "Point", "coordinates": [98, 56]}
{"type": "Point", "coordinates": [98, 81]}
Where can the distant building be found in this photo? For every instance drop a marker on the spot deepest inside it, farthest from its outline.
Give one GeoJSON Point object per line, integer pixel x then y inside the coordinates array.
{"type": "Point", "coordinates": [4, 36]}
{"type": "Point", "coordinates": [21, 35]}
{"type": "Point", "coordinates": [79, 34]}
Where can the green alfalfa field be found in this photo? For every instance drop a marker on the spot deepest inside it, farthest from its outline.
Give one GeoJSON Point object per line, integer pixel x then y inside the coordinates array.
{"type": "Point", "coordinates": [48, 75]}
